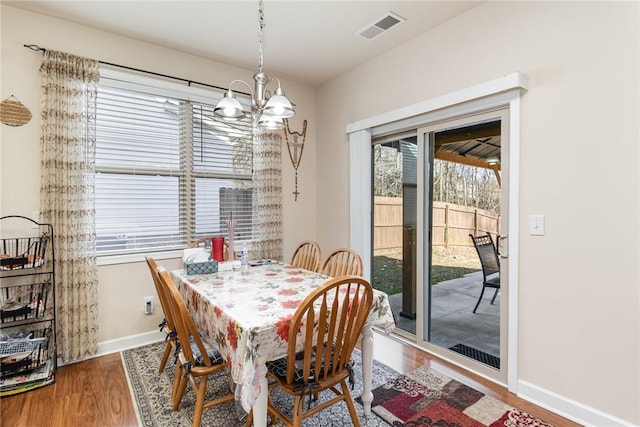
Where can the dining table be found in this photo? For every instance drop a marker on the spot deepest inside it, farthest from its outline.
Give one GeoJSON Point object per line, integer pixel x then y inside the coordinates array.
{"type": "Point", "coordinates": [246, 311]}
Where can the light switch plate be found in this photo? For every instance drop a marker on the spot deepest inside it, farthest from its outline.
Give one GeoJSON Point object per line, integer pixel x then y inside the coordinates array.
{"type": "Point", "coordinates": [536, 225]}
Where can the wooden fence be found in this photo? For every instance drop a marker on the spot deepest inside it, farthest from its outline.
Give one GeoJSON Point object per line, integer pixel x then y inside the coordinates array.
{"type": "Point", "coordinates": [451, 224]}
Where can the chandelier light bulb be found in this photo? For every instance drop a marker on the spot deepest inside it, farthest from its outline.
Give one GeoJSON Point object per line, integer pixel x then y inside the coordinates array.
{"type": "Point", "coordinates": [229, 107]}
{"type": "Point", "coordinates": [279, 106]}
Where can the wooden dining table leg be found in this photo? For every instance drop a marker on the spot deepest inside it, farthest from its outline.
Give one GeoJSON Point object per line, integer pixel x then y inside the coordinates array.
{"type": "Point", "coordinates": [366, 345]}
{"type": "Point", "coordinates": [260, 405]}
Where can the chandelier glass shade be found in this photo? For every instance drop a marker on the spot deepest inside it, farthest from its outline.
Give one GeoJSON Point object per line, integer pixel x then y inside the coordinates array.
{"type": "Point", "coordinates": [269, 110]}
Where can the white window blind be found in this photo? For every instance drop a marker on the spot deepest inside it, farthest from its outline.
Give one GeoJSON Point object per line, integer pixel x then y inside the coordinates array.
{"type": "Point", "coordinates": [167, 173]}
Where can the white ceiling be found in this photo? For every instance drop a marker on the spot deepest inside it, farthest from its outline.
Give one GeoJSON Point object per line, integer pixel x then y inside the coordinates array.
{"type": "Point", "coordinates": [304, 41]}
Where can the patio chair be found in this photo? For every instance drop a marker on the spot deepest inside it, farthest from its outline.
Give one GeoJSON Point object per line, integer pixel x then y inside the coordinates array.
{"type": "Point", "coordinates": [490, 265]}
{"type": "Point", "coordinates": [333, 315]}
{"type": "Point", "coordinates": [342, 262]}
{"type": "Point", "coordinates": [307, 256]}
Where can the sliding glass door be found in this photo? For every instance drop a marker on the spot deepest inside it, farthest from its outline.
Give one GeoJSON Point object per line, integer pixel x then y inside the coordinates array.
{"type": "Point", "coordinates": [462, 195]}
{"type": "Point", "coordinates": [432, 189]}
{"type": "Point", "coordinates": [394, 171]}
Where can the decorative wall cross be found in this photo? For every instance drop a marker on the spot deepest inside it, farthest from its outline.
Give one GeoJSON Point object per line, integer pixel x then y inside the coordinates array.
{"type": "Point", "coordinates": [295, 148]}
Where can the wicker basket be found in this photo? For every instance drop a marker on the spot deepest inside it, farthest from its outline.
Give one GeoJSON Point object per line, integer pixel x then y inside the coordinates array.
{"type": "Point", "coordinates": [23, 252]}
{"type": "Point", "coordinates": [25, 302]}
{"type": "Point", "coordinates": [13, 112]}
{"type": "Point", "coordinates": [25, 355]}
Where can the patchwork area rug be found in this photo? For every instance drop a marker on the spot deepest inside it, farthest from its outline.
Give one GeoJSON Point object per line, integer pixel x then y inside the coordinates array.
{"type": "Point", "coordinates": [151, 393]}
{"type": "Point", "coordinates": [425, 397]}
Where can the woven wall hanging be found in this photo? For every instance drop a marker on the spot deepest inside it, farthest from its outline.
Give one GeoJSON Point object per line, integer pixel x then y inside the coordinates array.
{"type": "Point", "coordinates": [13, 112]}
{"type": "Point", "coordinates": [295, 148]}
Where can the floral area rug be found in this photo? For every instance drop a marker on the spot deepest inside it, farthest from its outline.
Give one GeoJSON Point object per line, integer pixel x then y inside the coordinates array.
{"type": "Point", "coordinates": [151, 393]}
{"type": "Point", "coordinates": [425, 397]}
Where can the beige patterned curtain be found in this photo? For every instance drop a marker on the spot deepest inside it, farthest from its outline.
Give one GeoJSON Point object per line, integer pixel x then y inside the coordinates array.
{"type": "Point", "coordinates": [69, 89]}
{"type": "Point", "coordinates": [267, 196]}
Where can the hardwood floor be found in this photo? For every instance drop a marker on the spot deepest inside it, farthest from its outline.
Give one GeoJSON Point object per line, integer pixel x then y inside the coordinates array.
{"type": "Point", "coordinates": [87, 394]}
{"type": "Point", "coordinates": [96, 393]}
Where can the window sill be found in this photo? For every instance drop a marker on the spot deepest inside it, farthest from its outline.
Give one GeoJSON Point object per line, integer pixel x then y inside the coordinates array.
{"type": "Point", "coordinates": [138, 257]}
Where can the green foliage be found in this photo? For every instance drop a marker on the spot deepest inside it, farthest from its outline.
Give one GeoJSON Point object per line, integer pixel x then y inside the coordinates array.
{"type": "Point", "coordinates": [394, 167]}
{"type": "Point", "coordinates": [448, 264]}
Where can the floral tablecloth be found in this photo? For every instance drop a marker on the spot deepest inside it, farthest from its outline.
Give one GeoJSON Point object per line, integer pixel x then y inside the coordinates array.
{"type": "Point", "coordinates": [247, 313]}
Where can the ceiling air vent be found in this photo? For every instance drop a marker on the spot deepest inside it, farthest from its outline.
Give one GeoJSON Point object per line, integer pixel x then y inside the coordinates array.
{"type": "Point", "coordinates": [380, 26]}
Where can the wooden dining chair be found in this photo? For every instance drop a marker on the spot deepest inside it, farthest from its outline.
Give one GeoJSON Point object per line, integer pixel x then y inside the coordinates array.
{"type": "Point", "coordinates": [490, 262]}
{"type": "Point", "coordinates": [167, 324]}
{"type": "Point", "coordinates": [201, 243]}
{"type": "Point", "coordinates": [307, 256]}
{"type": "Point", "coordinates": [332, 315]}
{"type": "Point", "coordinates": [342, 262]}
{"type": "Point", "coordinates": [198, 360]}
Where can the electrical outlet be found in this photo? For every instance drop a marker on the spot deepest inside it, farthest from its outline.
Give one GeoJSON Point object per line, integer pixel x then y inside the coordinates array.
{"type": "Point", "coordinates": [148, 305]}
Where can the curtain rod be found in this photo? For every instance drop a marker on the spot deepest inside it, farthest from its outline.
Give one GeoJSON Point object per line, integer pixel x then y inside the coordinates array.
{"type": "Point", "coordinates": [37, 48]}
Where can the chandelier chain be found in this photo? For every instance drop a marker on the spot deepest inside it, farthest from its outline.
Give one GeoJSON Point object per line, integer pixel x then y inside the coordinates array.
{"type": "Point", "coordinates": [260, 38]}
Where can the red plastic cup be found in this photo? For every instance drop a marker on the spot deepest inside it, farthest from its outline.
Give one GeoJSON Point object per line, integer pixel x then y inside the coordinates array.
{"type": "Point", "coordinates": [217, 248]}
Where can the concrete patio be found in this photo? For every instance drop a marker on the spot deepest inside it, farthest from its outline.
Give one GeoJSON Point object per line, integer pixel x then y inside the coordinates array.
{"type": "Point", "coordinates": [453, 321]}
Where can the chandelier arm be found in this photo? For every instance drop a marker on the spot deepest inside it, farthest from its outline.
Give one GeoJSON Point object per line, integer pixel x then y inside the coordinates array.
{"type": "Point", "coordinates": [276, 79]}
{"type": "Point", "coordinates": [244, 83]}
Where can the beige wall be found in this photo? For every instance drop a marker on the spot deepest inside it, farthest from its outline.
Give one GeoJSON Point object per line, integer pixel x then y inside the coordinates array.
{"type": "Point", "coordinates": [579, 298]}
{"type": "Point", "coordinates": [579, 324]}
{"type": "Point", "coordinates": [123, 286]}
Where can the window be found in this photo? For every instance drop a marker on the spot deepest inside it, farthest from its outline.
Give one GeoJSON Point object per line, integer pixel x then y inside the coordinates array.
{"type": "Point", "coordinates": [167, 173]}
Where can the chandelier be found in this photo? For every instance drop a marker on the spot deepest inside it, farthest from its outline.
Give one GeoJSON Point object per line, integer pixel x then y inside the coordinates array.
{"type": "Point", "coordinates": [268, 109]}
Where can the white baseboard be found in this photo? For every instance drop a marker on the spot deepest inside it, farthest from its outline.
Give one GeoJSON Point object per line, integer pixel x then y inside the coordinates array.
{"type": "Point", "coordinates": [568, 408]}
{"type": "Point", "coordinates": [120, 344]}
{"type": "Point", "coordinates": [125, 343]}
